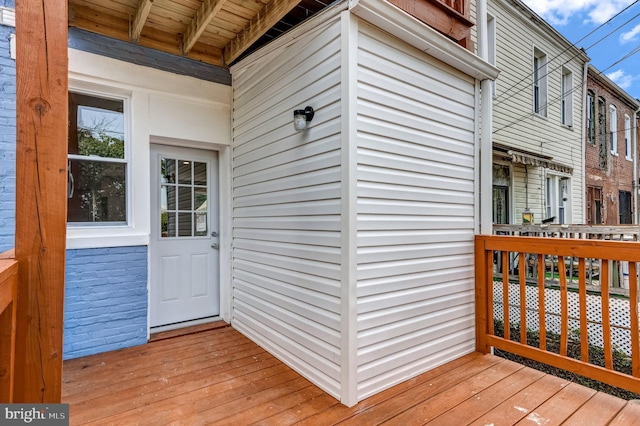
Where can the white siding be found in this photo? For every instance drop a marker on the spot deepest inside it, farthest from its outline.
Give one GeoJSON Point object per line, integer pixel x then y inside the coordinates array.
{"type": "Point", "coordinates": [415, 211]}
{"type": "Point", "coordinates": [287, 204]}
{"type": "Point", "coordinates": [515, 124]}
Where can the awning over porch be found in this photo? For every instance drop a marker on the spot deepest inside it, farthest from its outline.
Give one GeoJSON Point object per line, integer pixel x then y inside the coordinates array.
{"type": "Point", "coordinates": [534, 160]}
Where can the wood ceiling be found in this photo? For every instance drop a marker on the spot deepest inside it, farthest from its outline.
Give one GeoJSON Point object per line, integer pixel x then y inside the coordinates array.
{"type": "Point", "coordinates": [213, 31]}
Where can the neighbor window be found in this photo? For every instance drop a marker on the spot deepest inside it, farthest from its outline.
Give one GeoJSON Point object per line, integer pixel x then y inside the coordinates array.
{"type": "Point", "coordinates": [613, 129]}
{"type": "Point", "coordinates": [97, 161]}
{"type": "Point", "coordinates": [539, 82]}
{"type": "Point", "coordinates": [567, 98]}
{"type": "Point", "coordinates": [627, 137]}
{"type": "Point", "coordinates": [603, 154]}
{"type": "Point", "coordinates": [625, 207]}
{"type": "Point", "coordinates": [591, 118]}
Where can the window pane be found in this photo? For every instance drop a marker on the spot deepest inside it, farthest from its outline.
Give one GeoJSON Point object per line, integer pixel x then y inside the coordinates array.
{"type": "Point", "coordinates": [168, 197]}
{"type": "Point", "coordinates": [184, 224]}
{"type": "Point", "coordinates": [199, 173]}
{"type": "Point", "coordinates": [184, 172]}
{"type": "Point", "coordinates": [97, 192]}
{"type": "Point", "coordinates": [168, 224]}
{"type": "Point", "coordinates": [201, 224]}
{"type": "Point", "coordinates": [168, 170]}
{"type": "Point", "coordinates": [96, 126]}
{"type": "Point", "coordinates": [200, 199]}
{"type": "Point", "coordinates": [184, 198]}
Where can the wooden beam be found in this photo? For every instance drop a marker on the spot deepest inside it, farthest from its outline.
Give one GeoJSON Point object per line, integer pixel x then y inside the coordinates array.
{"type": "Point", "coordinates": [208, 10]}
{"type": "Point", "coordinates": [41, 202]}
{"type": "Point", "coordinates": [260, 24]}
{"type": "Point", "coordinates": [141, 17]}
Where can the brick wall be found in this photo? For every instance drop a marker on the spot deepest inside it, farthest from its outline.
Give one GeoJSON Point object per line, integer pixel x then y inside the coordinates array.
{"type": "Point", "coordinates": [105, 300]}
{"type": "Point", "coordinates": [618, 174]}
{"type": "Point", "coordinates": [7, 140]}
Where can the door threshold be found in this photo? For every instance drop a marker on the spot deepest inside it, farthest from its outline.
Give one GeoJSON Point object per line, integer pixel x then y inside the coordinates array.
{"type": "Point", "coordinates": [186, 328]}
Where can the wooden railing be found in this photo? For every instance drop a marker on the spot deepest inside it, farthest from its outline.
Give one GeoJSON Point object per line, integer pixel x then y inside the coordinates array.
{"type": "Point", "coordinates": [487, 248]}
{"type": "Point", "coordinates": [8, 291]}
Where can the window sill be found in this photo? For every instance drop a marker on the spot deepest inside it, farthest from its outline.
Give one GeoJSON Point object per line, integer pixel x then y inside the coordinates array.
{"type": "Point", "coordinates": [100, 237]}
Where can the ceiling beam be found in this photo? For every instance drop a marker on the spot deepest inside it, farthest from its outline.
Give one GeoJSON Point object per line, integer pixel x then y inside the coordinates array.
{"type": "Point", "coordinates": [260, 24]}
{"type": "Point", "coordinates": [141, 17]}
{"type": "Point", "coordinates": [208, 10]}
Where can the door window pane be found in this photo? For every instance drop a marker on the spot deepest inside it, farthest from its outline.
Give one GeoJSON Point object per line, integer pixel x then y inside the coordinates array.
{"type": "Point", "coordinates": [183, 200]}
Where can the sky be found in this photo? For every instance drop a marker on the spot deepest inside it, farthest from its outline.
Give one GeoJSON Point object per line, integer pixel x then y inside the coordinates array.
{"type": "Point", "coordinates": [614, 46]}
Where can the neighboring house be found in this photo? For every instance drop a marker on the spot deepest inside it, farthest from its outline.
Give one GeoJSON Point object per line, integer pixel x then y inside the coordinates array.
{"type": "Point", "coordinates": [610, 152]}
{"type": "Point", "coordinates": [345, 249]}
{"type": "Point", "coordinates": [537, 118]}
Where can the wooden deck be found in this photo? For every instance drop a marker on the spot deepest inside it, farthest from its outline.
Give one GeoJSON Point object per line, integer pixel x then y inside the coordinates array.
{"type": "Point", "coordinates": [218, 376]}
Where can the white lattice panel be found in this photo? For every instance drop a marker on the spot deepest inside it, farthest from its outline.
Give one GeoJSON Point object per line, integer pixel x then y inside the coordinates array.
{"type": "Point", "coordinates": [618, 312]}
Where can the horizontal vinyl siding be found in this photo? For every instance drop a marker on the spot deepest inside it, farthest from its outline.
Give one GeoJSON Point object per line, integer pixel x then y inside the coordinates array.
{"type": "Point", "coordinates": [286, 205]}
{"type": "Point", "coordinates": [514, 123]}
{"type": "Point", "coordinates": [415, 212]}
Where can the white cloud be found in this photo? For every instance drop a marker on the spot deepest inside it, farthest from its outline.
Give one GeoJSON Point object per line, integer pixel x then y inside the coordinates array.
{"type": "Point", "coordinates": [621, 78]}
{"type": "Point", "coordinates": [630, 35]}
{"type": "Point", "coordinates": [558, 12]}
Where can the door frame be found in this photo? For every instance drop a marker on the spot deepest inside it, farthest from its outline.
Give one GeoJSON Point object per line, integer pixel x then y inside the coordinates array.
{"type": "Point", "coordinates": [224, 219]}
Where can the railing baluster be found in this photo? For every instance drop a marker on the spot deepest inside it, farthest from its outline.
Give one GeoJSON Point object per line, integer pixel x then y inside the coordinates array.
{"type": "Point", "coordinates": [489, 281]}
{"type": "Point", "coordinates": [584, 331]}
{"type": "Point", "coordinates": [541, 305]}
{"type": "Point", "coordinates": [606, 325]}
{"type": "Point", "coordinates": [633, 309]}
{"type": "Point", "coordinates": [564, 307]}
{"type": "Point", "coordinates": [505, 295]}
{"type": "Point", "coordinates": [523, 298]}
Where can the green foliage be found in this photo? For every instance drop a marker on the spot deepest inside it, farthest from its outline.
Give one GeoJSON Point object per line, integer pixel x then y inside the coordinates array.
{"type": "Point", "coordinates": [98, 142]}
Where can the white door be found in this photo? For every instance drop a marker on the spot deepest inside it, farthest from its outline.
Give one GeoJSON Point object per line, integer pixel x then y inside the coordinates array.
{"type": "Point", "coordinates": [183, 252]}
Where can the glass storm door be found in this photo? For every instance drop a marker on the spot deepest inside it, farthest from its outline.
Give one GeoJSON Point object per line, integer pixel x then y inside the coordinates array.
{"type": "Point", "coordinates": [183, 251]}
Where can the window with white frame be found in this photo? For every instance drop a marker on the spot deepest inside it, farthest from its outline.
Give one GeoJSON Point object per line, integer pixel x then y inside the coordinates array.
{"type": "Point", "coordinates": [567, 97]}
{"type": "Point", "coordinates": [627, 137]}
{"type": "Point", "coordinates": [539, 82]}
{"type": "Point", "coordinates": [613, 129]}
{"type": "Point", "coordinates": [557, 198]}
{"type": "Point", "coordinates": [97, 163]}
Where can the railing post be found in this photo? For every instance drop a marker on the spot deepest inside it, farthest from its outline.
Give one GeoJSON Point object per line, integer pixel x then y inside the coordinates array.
{"type": "Point", "coordinates": [481, 287]}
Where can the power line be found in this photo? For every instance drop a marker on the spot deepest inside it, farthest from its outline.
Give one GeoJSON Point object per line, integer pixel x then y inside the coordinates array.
{"type": "Point", "coordinates": [574, 45]}
{"type": "Point", "coordinates": [627, 56]}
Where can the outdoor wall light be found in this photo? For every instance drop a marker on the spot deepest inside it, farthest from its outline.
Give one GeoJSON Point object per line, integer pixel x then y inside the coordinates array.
{"type": "Point", "coordinates": [301, 117]}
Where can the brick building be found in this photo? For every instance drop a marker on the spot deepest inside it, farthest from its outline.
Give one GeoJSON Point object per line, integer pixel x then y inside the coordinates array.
{"type": "Point", "coordinates": [610, 152]}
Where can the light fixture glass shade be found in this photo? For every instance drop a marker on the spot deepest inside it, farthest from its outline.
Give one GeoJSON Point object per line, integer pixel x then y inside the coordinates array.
{"type": "Point", "coordinates": [299, 120]}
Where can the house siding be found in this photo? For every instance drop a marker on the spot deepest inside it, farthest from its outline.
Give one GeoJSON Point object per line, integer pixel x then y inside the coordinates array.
{"type": "Point", "coordinates": [105, 300]}
{"type": "Point", "coordinates": [286, 205]}
{"type": "Point", "coordinates": [415, 207]}
{"type": "Point", "coordinates": [516, 125]}
{"type": "Point", "coordinates": [7, 140]}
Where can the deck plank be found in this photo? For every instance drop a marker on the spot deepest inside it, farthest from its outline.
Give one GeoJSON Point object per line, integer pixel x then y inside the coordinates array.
{"type": "Point", "coordinates": [600, 409]}
{"type": "Point", "coordinates": [221, 377]}
{"type": "Point", "coordinates": [515, 408]}
{"type": "Point", "coordinates": [629, 415]}
{"type": "Point", "coordinates": [487, 399]}
{"type": "Point", "coordinates": [556, 410]}
{"type": "Point", "coordinates": [438, 404]}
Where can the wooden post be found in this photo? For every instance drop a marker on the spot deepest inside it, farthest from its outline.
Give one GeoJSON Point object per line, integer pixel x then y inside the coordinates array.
{"type": "Point", "coordinates": [41, 174]}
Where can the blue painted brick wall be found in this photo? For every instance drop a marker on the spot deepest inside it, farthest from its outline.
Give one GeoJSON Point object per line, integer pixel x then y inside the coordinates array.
{"type": "Point", "coordinates": [7, 141]}
{"type": "Point", "coordinates": [105, 300]}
